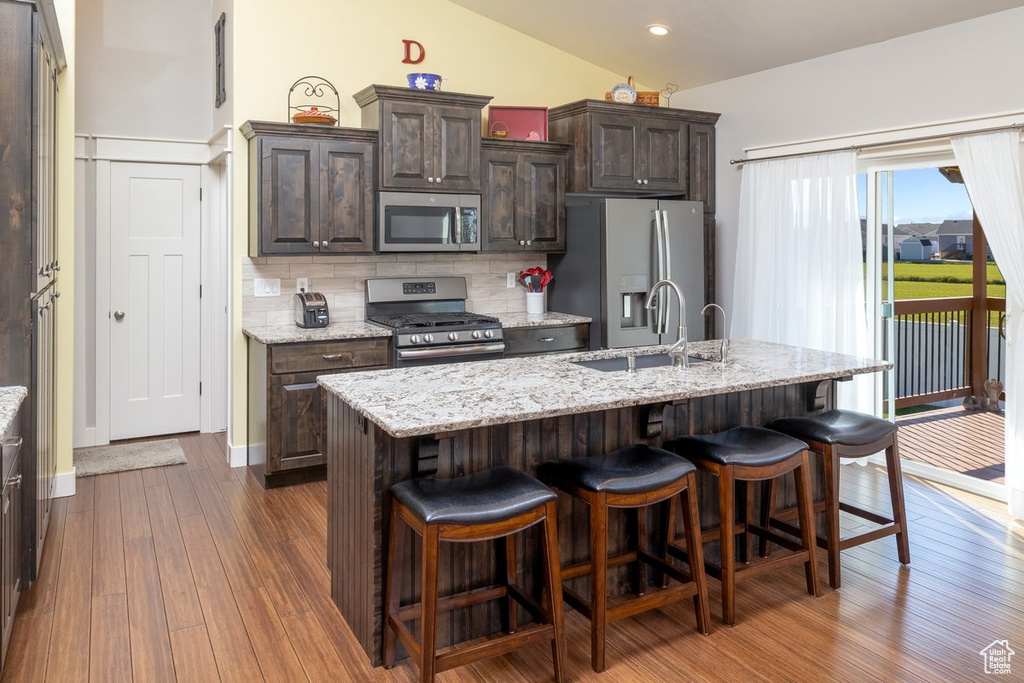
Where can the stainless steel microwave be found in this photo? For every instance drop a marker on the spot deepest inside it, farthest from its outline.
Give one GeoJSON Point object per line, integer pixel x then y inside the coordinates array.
{"type": "Point", "coordinates": [422, 221]}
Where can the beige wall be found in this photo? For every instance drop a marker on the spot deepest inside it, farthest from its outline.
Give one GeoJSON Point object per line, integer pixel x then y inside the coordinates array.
{"type": "Point", "coordinates": [354, 44]}
{"type": "Point", "coordinates": [65, 350]}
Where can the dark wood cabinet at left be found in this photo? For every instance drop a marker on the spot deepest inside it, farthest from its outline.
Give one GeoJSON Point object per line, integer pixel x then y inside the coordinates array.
{"type": "Point", "coordinates": [310, 189]}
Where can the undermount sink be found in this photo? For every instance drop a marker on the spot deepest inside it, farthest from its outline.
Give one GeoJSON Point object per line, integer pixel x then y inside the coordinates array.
{"type": "Point", "coordinates": [620, 364]}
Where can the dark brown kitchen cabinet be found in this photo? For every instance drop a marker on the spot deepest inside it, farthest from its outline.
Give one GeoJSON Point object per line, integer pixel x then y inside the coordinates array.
{"type": "Point", "coordinates": [533, 340]}
{"type": "Point", "coordinates": [523, 196]}
{"type": "Point", "coordinates": [702, 161]}
{"type": "Point", "coordinates": [633, 148]}
{"type": "Point", "coordinates": [12, 546]}
{"type": "Point", "coordinates": [287, 408]}
{"type": "Point", "coordinates": [310, 189]}
{"type": "Point", "coordinates": [429, 141]}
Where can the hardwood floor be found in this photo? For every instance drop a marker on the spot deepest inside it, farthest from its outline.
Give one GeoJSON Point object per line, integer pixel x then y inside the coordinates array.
{"type": "Point", "coordinates": [193, 572]}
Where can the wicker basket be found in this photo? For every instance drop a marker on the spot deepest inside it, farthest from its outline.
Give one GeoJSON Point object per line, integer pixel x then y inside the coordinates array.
{"type": "Point", "coordinates": [649, 98]}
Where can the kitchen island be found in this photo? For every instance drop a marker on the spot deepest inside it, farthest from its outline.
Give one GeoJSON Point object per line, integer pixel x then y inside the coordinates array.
{"type": "Point", "coordinates": [391, 425]}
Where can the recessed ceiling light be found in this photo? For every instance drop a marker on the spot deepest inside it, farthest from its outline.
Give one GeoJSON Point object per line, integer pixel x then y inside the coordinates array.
{"type": "Point", "coordinates": [659, 29]}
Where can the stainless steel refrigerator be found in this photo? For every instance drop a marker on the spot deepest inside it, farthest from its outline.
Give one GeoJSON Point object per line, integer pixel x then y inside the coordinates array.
{"type": "Point", "coordinates": [616, 249]}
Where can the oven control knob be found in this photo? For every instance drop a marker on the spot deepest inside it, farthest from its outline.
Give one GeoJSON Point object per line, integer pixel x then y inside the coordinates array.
{"type": "Point", "coordinates": [488, 333]}
{"type": "Point", "coordinates": [454, 336]}
{"type": "Point", "coordinates": [476, 334]}
{"type": "Point", "coordinates": [428, 338]}
{"type": "Point", "coordinates": [415, 339]}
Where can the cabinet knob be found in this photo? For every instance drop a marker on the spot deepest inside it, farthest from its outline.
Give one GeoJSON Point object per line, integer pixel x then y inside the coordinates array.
{"type": "Point", "coordinates": [645, 181]}
{"type": "Point", "coordinates": [639, 181]}
{"type": "Point", "coordinates": [430, 179]}
{"type": "Point", "coordinates": [522, 243]}
{"type": "Point", "coordinates": [316, 245]}
{"type": "Point", "coordinates": [529, 242]}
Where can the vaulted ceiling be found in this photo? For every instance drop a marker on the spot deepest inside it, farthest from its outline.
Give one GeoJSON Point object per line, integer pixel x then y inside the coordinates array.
{"type": "Point", "coordinates": [714, 40]}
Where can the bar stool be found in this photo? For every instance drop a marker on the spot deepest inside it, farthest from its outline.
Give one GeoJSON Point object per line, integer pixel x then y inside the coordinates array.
{"type": "Point", "coordinates": [752, 454]}
{"type": "Point", "coordinates": [846, 434]}
{"type": "Point", "coordinates": [495, 503]}
{"type": "Point", "coordinates": [631, 477]}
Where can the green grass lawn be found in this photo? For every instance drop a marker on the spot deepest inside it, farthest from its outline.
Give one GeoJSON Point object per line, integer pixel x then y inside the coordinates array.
{"type": "Point", "coordinates": [930, 281]}
{"type": "Point", "coordinates": [942, 271]}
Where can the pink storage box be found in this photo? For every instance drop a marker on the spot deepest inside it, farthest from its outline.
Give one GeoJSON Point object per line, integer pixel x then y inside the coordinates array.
{"type": "Point", "coordinates": [521, 121]}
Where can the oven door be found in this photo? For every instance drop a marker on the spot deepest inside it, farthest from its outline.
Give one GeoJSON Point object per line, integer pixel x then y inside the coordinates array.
{"type": "Point", "coordinates": [418, 221]}
{"type": "Point", "coordinates": [461, 353]}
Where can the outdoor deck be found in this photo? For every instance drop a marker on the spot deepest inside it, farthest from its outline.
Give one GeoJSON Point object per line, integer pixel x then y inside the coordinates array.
{"type": "Point", "coordinates": [965, 441]}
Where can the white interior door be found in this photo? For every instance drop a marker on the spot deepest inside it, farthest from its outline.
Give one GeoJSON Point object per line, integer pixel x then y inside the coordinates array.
{"type": "Point", "coordinates": [154, 299]}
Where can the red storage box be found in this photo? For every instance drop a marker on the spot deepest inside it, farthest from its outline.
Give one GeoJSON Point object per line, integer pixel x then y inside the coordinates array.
{"type": "Point", "coordinates": [519, 122]}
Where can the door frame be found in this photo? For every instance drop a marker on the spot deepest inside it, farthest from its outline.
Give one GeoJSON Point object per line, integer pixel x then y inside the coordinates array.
{"type": "Point", "coordinates": [213, 160]}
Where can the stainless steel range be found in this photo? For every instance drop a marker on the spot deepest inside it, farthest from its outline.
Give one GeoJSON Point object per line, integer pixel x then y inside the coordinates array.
{"type": "Point", "coordinates": [430, 321]}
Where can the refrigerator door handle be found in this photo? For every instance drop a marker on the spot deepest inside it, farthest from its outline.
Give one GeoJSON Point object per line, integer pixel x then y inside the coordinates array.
{"type": "Point", "coordinates": [659, 322]}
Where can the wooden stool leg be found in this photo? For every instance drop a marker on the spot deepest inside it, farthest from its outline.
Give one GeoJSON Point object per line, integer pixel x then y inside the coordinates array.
{"type": "Point", "coordinates": [695, 552]}
{"type": "Point", "coordinates": [391, 586]}
{"type": "Point", "coordinates": [598, 579]}
{"type": "Point", "coordinates": [428, 595]}
{"type": "Point", "coordinates": [641, 535]}
{"type": "Point", "coordinates": [669, 518]}
{"type": "Point", "coordinates": [768, 488]}
{"type": "Point", "coordinates": [832, 537]}
{"type": "Point", "coordinates": [507, 555]}
{"type": "Point", "coordinates": [727, 531]}
{"type": "Point", "coordinates": [899, 510]}
{"type": "Point", "coordinates": [553, 579]}
{"type": "Point", "coordinates": [745, 497]}
{"type": "Point", "coordinates": [805, 505]}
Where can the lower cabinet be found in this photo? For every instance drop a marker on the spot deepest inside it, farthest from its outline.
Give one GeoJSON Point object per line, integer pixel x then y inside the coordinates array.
{"type": "Point", "coordinates": [12, 549]}
{"type": "Point", "coordinates": [288, 409]}
{"type": "Point", "coordinates": [528, 341]}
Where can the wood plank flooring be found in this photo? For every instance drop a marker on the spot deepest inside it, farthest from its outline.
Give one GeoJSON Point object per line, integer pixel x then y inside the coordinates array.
{"type": "Point", "coordinates": [966, 441]}
{"type": "Point", "coordinates": [194, 573]}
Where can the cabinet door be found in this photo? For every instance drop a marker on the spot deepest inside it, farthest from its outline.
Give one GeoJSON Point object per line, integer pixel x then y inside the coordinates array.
{"type": "Point", "coordinates": [499, 201]}
{"type": "Point", "coordinates": [664, 156]}
{"type": "Point", "coordinates": [543, 208]}
{"type": "Point", "coordinates": [614, 150]}
{"type": "Point", "coordinates": [407, 143]}
{"type": "Point", "coordinates": [346, 197]}
{"type": "Point", "coordinates": [297, 410]}
{"type": "Point", "coordinates": [289, 203]}
{"type": "Point", "coordinates": [702, 165]}
{"type": "Point", "coordinates": [457, 149]}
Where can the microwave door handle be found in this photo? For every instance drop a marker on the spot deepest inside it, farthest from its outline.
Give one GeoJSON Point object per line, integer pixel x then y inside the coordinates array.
{"type": "Point", "coordinates": [458, 225]}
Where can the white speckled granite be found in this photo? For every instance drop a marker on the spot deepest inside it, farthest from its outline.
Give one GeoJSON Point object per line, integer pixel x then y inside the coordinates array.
{"type": "Point", "coordinates": [416, 401]}
{"type": "Point", "coordinates": [288, 334]}
{"type": "Point", "coordinates": [10, 401]}
{"type": "Point", "coordinates": [546, 318]}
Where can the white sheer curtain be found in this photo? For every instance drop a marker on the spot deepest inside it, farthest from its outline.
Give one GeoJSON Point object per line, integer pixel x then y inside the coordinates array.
{"type": "Point", "coordinates": [799, 260]}
{"type": "Point", "coordinates": [991, 166]}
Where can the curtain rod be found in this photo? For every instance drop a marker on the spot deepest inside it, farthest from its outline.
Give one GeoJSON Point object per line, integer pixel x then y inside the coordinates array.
{"type": "Point", "coordinates": [858, 148]}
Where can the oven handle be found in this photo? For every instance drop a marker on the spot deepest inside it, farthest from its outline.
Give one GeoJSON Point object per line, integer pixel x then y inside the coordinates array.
{"type": "Point", "coordinates": [467, 350]}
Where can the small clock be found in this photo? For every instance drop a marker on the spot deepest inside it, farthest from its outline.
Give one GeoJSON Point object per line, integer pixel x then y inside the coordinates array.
{"type": "Point", "coordinates": [624, 94]}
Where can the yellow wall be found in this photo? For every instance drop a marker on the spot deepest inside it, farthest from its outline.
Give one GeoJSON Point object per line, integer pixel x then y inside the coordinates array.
{"type": "Point", "coordinates": [65, 349]}
{"type": "Point", "coordinates": [354, 44]}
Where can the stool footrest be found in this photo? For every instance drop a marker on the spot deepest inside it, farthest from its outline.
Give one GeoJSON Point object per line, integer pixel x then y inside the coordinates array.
{"type": "Point", "coordinates": [860, 539]}
{"type": "Point", "coordinates": [785, 541]}
{"type": "Point", "coordinates": [492, 647]}
{"type": "Point", "coordinates": [865, 514]}
{"type": "Point", "coordinates": [450, 602]}
{"type": "Point", "coordinates": [583, 569]}
{"type": "Point", "coordinates": [758, 566]}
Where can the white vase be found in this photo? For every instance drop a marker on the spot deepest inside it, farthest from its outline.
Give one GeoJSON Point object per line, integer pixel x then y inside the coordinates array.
{"type": "Point", "coordinates": [535, 304]}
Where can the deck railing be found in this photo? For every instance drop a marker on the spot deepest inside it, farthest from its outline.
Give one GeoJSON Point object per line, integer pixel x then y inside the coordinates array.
{"type": "Point", "coordinates": [939, 354]}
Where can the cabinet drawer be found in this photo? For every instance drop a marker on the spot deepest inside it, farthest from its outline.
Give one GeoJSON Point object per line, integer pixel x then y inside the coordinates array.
{"type": "Point", "coordinates": [326, 356]}
{"type": "Point", "coordinates": [522, 341]}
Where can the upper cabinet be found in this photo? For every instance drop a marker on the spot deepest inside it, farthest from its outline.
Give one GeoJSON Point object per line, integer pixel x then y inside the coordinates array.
{"type": "Point", "coordinates": [523, 197]}
{"type": "Point", "coordinates": [310, 189]}
{"type": "Point", "coordinates": [428, 140]}
{"type": "Point", "coordinates": [638, 149]}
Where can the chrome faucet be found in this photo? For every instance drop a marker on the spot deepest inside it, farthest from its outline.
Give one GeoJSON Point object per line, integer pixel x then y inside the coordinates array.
{"type": "Point", "coordinates": [677, 352]}
{"type": "Point", "coordinates": [725, 336]}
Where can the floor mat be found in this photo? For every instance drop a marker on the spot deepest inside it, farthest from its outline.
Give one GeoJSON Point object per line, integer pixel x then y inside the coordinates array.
{"type": "Point", "coordinates": [128, 456]}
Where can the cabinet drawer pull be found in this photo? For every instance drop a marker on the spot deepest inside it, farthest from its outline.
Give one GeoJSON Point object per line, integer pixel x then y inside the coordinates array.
{"type": "Point", "coordinates": [15, 480]}
{"type": "Point", "coordinates": [546, 339]}
{"type": "Point", "coordinates": [334, 356]}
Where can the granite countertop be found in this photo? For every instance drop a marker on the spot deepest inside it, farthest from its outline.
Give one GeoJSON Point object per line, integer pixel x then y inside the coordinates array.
{"type": "Point", "coordinates": [10, 401]}
{"type": "Point", "coordinates": [287, 334]}
{"type": "Point", "coordinates": [542, 320]}
{"type": "Point", "coordinates": [451, 397]}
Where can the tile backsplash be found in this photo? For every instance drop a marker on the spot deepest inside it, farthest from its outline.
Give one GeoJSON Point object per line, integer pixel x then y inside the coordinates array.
{"type": "Point", "coordinates": [342, 279]}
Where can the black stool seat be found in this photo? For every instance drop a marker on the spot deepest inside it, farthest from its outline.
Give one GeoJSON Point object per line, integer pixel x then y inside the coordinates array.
{"type": "Point", "coordinates": [749, 446]}
{"type": "Point", "coordinates": [631, 469]}
{"type": "Point", "coordinates": [836, 427]}
{"type": "Point", "coordinates": [493, 495]}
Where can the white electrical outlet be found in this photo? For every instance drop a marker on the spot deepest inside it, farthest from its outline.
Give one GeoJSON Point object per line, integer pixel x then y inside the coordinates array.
{"type": "Point", "coordinates": [510, 280]}
{"type": "Point", "coordinates": [301, 285]}
{"type": "Point", "coordinates": [267, 287]}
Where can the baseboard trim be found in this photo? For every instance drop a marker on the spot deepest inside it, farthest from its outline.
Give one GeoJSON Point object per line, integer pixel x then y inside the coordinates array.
{"type": "Point", "coordinates": [238, 456]}
{"type": "Point", "coordinates": [64, 484]}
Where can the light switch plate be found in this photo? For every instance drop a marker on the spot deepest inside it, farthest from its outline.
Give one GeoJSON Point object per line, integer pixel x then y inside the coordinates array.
{"type": "Point", "coordinates": [510, 280]}
{"type": "Point", "coordinates": [267, 287]}
{"type": "Point", "coordinates": [301, 285]}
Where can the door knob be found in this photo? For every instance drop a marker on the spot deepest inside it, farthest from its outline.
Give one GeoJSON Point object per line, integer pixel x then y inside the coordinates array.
{"type": "Point", "coordinates": [118, 316]}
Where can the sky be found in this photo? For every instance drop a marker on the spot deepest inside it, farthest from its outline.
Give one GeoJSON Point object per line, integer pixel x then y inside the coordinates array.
{"type": "Point", "coordinates": [923, 196]}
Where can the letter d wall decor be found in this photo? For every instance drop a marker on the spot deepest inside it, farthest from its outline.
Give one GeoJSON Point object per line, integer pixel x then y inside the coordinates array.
{"type": "Point", "coordinates": [409, 59]}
